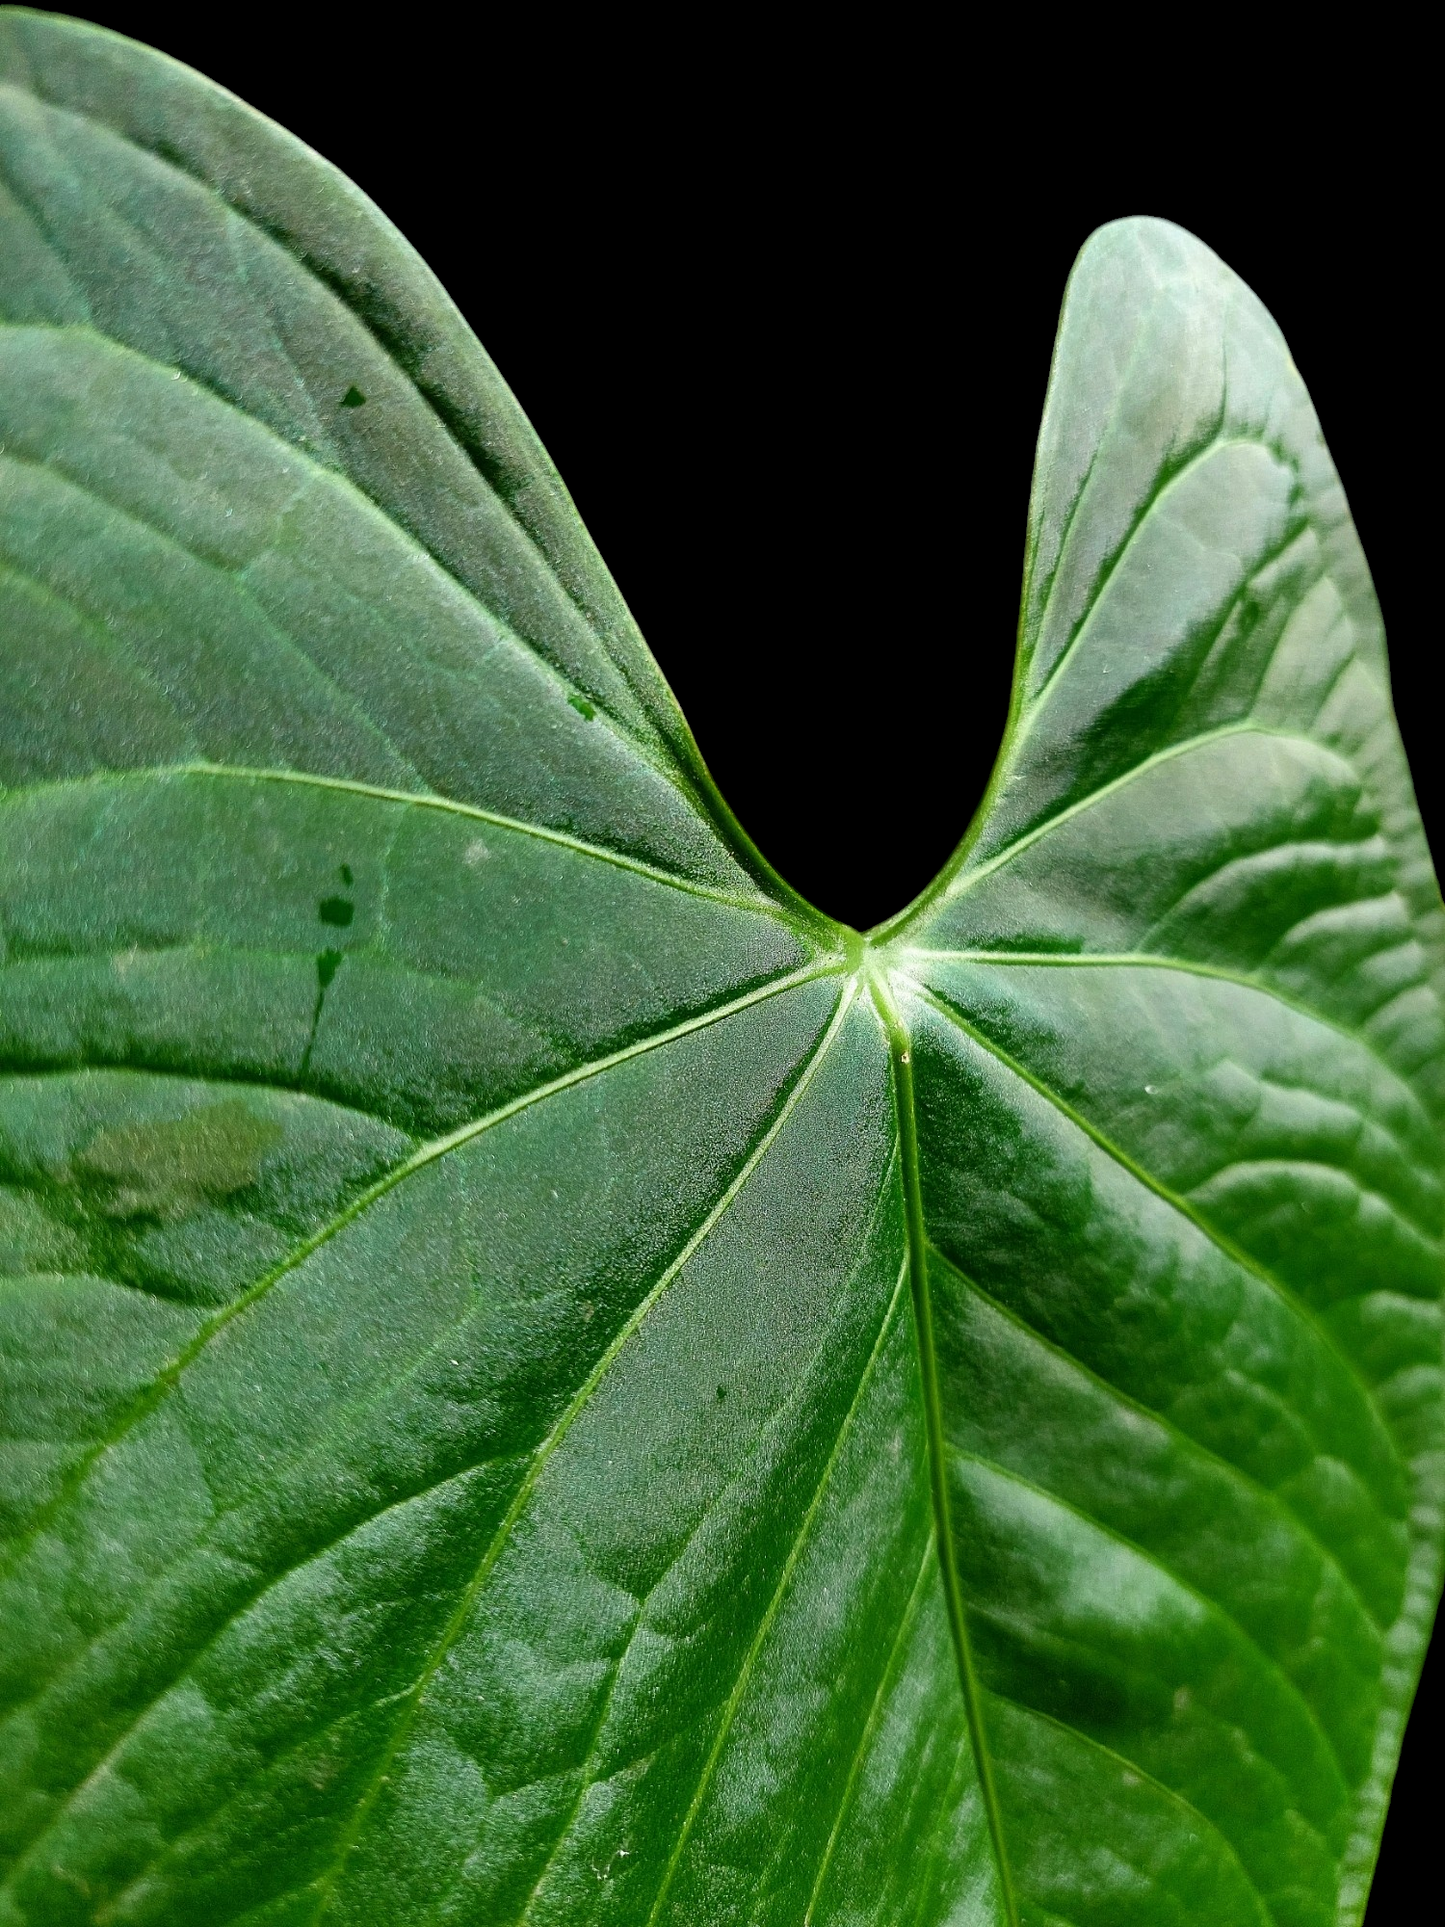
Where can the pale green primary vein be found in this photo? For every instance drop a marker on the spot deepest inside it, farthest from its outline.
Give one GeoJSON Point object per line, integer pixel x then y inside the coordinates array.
{"type": "Point", "coordinates": [765, 1624]}
{"type": "Point", "coordinates": [1171, 1794]}
{"type": "Point", "coordinates": [1280, 1507]}
{"type": "Point", "coordinates": [1030, 629]}
{"type": "Point", "coordinates": [860, 1751]}
{"type": "Point", "coordinates": [957, 877]}
{"type": "Point", "coordinates": [957, 1779]}
{"type": "Point", "coordinates": [1188, 967]}
{"type": "Point", "coordinates": [1164, 483]}
{"type": "Point", "coordinates": [409, 799]}
{"type": "Point", "coordinates": [427, 1154]}
{"type": "Point", "coordinates": [965, 882]}
{"type": "Point", "coordinates": [1223, 1243]}
{"type": "Point", "coordinates": [900, 1052]}
{"type": "Point", "coordinates": [563, 1830]}
{"type": "Point", "coordinates": [754, 906]}
{"type": "Point", "coordinates": [1211, 1605]}
{"type": "Point", "coordinates": [558, 1433]}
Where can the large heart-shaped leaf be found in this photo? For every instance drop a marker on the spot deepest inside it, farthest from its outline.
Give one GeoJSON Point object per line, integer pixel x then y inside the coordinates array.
{"type": "Point", "coordinates": [547, 1382]}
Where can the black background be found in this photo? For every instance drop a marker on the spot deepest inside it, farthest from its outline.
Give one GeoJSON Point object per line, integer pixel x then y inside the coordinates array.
{"type": "Point", "coordinates": [782, 314]}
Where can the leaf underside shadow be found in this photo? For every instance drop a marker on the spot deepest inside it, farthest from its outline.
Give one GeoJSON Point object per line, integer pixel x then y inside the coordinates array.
{"type": "Point", "coordinates": [547, 1382]}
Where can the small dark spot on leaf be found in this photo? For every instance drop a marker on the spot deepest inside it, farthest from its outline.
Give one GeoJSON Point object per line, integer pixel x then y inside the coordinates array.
{"type": "Point", "coordinates": [346, 873]}
{"type": "Point", "coordinates": [722, 1392]}
{"type": "Point", "coordinates": [583, 707]}
{"type": "Point", "coordinates": [326, 965]}
{"type": "Point", "coordinates": [336, 910]}
{"type": "Point", "coordinates": [353, 398]}
{"type": "Point", "coordinates": [164, 1170]}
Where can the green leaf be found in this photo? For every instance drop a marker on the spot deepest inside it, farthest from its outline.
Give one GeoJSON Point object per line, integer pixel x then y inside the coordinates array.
{"type": "Point", "coordinates": [546, 1382]}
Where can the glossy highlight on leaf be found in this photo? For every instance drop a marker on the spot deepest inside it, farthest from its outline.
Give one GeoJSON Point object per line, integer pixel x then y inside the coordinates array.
{"type": "Point", "coordinates": [542, 1381]}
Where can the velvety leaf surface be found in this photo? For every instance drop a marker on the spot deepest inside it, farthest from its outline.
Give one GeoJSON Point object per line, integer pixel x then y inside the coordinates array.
{"type": "Point", "coordinates": [544, 1382]}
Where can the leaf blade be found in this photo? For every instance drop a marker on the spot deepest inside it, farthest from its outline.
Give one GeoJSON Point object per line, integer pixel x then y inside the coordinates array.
{"type": "Point", "coordinates": [1195, 924]}
{"type": "Point", "coordinates": [477, 1456]}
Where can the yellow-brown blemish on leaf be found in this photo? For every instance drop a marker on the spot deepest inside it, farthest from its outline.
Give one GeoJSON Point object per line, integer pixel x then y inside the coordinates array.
{"type": "Point", "coordinates": [167, 1168]}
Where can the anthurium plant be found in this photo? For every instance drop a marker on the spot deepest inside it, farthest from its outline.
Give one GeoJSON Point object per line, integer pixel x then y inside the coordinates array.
{"type": "Point", "coordinates": [547, 1382]}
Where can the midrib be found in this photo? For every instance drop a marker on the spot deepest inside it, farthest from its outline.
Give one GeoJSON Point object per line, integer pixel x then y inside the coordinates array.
{"type": "Point", "coordinates": [901, 1059]}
